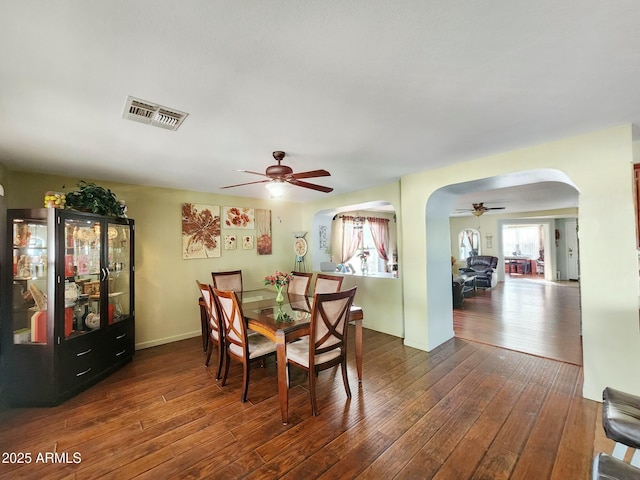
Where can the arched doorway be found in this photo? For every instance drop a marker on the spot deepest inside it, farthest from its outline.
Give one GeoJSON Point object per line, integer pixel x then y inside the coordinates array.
{"type": "Point", "coordinates": [439, 205]}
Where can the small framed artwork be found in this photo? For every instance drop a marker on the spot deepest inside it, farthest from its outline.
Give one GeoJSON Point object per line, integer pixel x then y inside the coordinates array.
{"type": "Point", "coordinates": [238, 217]}
{"type": "Point", "coordinates": [229, 242]}
{"type": "Point", "coordinates": [247, 242]}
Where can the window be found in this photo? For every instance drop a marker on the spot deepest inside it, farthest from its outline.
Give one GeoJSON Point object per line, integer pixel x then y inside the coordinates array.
{"type": "Point", "coordinates": [522, 240]}
{"type": "Point", "coordinates": [469, 241]}
{"type": "Point", "coordinates": [374, 263]}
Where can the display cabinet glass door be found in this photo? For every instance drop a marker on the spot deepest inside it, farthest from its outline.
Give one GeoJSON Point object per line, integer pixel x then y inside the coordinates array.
{"type": "Point", "coordinates": [119, 268]}
{"type": "Point", "coordinates": [83, 275]}
{"type": "Point", "coordinates": [29, 294]}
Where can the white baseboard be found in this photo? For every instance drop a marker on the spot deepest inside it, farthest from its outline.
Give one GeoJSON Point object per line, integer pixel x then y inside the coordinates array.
{"type": "Point", "coordinates": [162, 341]}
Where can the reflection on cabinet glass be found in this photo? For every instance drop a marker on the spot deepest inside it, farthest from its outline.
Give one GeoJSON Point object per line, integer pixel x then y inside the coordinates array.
{"type": "Point", "coordinates": [71, 305]}
{"type": "Point", "coordinates": [29, 286]}
{"type": "Point", "coordinates": [84, 275]}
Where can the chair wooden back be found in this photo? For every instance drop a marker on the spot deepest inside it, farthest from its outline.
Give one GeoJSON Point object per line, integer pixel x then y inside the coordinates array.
{"type": "Point", "coordinates": [233, 324]}
{"type": "Point", "coordinates": [231, 280]}
{"type": "Point", "coordinates": [300, 283]}
{"type": "Point", "coordinates": [328, 283]}
{"type": "Point", "coordinates": [328, 328]}
{"type": "Point", "coordinates": [213, 316]}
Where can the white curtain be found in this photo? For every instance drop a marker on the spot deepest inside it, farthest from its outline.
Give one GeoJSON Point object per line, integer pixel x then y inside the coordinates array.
{"type": "Point", "coordinates": [351, 238]}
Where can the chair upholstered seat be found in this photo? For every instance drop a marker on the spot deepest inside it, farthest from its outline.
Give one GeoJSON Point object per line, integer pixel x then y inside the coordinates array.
{"type": "Point", "coordinates": [299, 353]}
{"type": "Point", "coordinates": [259, 345]}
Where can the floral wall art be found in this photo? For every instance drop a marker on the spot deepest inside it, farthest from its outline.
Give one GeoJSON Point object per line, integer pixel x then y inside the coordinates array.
{"type": "Point", "coordinates": [263, 231]}
{"type": "Point", "coordinates": [230, 242]}
{"type": "Point", "coordinates": [238, 217]}
{"type": "Point", "coordinates": [200, 231]}
{"type": "Point", "coordinates": [247, 242]}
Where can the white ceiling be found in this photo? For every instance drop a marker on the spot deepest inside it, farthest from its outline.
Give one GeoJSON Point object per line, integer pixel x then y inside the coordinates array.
{"type": "Point", "coordinates": [369, 90]}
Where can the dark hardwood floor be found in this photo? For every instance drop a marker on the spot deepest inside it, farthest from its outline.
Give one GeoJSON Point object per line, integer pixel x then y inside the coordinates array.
{"type": "Point", "coordinates": [466, 410]}
{"type": "Point", "coordinates": [527, 314]}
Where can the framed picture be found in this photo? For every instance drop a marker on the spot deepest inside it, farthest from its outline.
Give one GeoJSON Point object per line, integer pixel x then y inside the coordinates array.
{"type": "Point", "coordinates": [200, 231]}
{"type": "Point", "coordinates": [229, 242]}
{"type": "Point", "coordinates": [238, 217]}
{"type": "Point", "coordinates": [263, 227]}
{"type": "Point", "coordinates": [247, 242]}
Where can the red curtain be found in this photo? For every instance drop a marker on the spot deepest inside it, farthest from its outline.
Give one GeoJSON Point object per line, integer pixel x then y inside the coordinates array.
{"type": "Point", "coordinates": [351, 238]}
{"type": "Point", "coordinates": [380, 233]}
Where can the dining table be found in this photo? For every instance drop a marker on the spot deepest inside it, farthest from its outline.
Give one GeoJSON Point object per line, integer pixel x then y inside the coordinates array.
{"type": "Point", "coordinates": [282, 322]}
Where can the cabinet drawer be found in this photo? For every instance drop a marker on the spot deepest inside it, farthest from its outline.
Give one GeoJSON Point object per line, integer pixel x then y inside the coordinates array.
{"type": "Point", "coordinates": [121, 342]}
{"type": "Point", "coordinates": [80, 361]}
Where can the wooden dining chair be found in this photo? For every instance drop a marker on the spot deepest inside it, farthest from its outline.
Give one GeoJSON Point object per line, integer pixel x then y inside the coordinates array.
{"type": "Point", "coordinates": [239, 345]}
{"type": "Point", "coordinates": [214, 327]}
{"type": "Point", "coordinates": [326, 344]}
{"type": "Point", "coordinates": [328, 283]}
{"type": "Point", "coordinates": [300, 283]}
{"type": "Point", "coordinates": [231, 280]}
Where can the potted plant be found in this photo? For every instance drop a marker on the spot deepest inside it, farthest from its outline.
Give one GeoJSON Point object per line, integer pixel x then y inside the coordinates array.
{"type": "Point", "coordinates": [92, 198]}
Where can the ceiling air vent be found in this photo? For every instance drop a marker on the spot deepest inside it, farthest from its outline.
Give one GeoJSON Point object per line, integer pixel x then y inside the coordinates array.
{"type": "Point", "coordinates": [152, 114]}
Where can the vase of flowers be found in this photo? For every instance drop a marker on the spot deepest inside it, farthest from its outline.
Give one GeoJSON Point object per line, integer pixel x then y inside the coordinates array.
{"type": "Point", "coordinates": [278, 280]}
{"type": "Point", "coordinates": [364, 267]}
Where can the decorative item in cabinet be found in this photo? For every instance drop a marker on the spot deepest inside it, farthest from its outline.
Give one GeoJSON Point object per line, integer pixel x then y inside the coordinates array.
{"type": "Point", "coordinates": [69, 294]}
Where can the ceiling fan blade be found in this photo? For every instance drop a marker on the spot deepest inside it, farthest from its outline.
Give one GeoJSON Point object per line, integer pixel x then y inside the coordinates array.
{"type": "Point", "coordinates": [494, 208]}
{"type": "Point", "coordinates": [248, 183]}
{"type": "Point", "coordinates": [254, 173]}
{"type": "Point", "coordinates": [311, 174]}
{"type": "Point", "coordinates": [312, 186]}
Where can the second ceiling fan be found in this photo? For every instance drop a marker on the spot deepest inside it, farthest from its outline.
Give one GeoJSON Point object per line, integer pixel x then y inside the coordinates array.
{"type": "Point", "coordinates": [479, 208]}
{"type": "Point", "coordinates": [278, 175]}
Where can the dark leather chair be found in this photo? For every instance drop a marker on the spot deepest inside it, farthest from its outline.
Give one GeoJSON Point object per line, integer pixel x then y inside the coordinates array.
{"type": "Point", "coordinates": [483, 266]}
{"type": "Point", "coordinates": [621, 422]}
{"type": "Point", "coordinates": [606, 467]}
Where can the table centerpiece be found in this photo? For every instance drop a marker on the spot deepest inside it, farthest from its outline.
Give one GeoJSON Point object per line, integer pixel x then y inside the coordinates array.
{"type": "Point", "coordinates": [278, 280]}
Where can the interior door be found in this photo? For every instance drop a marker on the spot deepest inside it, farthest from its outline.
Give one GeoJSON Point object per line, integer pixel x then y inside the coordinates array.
{"type": "Point", "coordinates": [571, 235]}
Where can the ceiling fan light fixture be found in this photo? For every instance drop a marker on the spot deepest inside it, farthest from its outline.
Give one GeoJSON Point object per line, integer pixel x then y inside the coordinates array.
{"type": "Point", "coordinates": [477, 213]}
{"type": "Point", "coordinates": [277, 188]}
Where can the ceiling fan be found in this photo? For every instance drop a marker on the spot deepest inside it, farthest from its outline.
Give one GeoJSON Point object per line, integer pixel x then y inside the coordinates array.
{"type": "Point", "coordinates": [278, 176]}
{"type": "Point", "coordinates": [479, 208]}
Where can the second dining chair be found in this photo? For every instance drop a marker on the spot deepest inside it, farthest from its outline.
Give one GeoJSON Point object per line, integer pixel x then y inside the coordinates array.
{"type": "Point", "coordinates": [239, 345]}
{"type": "Point", "coordinates": [214, 327]}
{"type": "Point", "coordinates": [299, 285]}
{"type": "Point", "coordinates": [328, 283]}
{"type": "Point", "coordinates": [231, 280]}
{"type": "Point", "coordinates": [326, 344]}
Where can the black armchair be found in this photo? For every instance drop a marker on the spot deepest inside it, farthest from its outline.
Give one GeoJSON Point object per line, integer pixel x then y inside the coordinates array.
{"type": "Point", "coordinates": [483, 267]}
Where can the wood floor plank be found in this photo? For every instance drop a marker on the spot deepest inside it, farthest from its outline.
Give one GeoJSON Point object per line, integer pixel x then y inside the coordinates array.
{"type": "Point", "coordinates": [497, 464]}
{"type": "Point", "coordinates": [467, 409]}
{"type": "Point", "coordinates": [579, 425]}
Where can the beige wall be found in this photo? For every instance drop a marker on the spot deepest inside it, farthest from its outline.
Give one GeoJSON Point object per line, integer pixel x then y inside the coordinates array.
{"type": "Point", "coordinates": [166, 295]}
{"type": "Point", "coordinates": [417, 305]}
{"type": "Point", "coordinates": [600, 166]}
